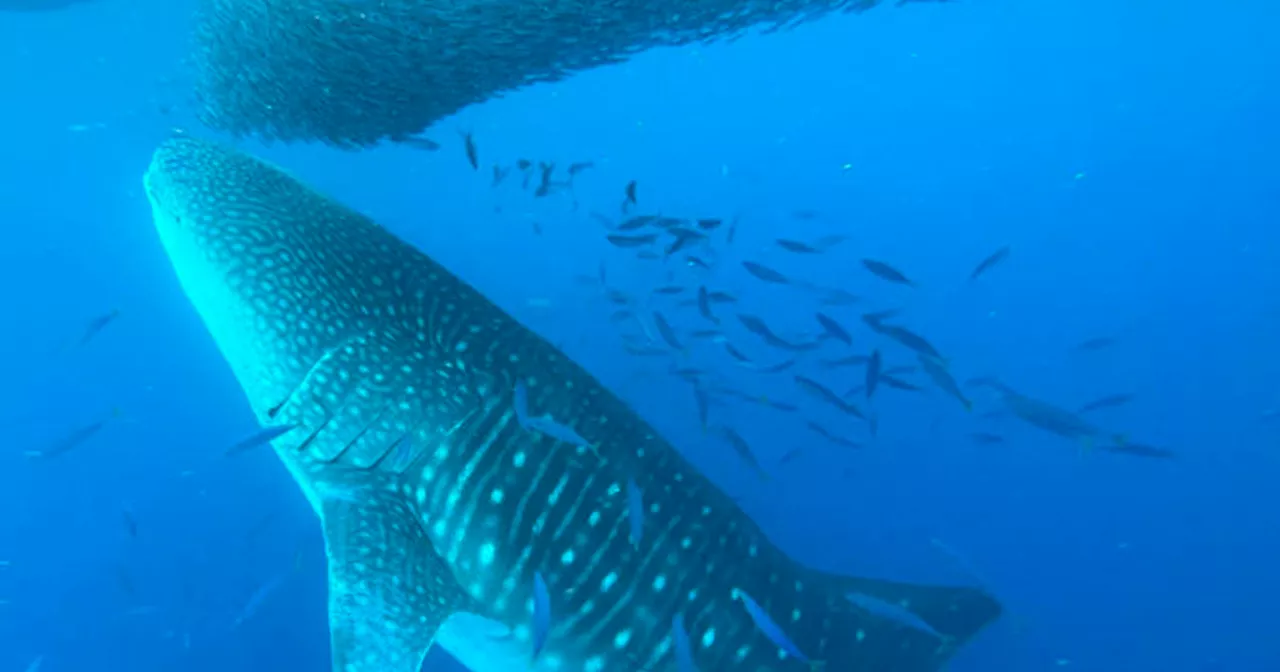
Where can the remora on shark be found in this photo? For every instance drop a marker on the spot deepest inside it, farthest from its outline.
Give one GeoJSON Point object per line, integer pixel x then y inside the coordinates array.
{"type": "Point", "coordinates": [438, 507]}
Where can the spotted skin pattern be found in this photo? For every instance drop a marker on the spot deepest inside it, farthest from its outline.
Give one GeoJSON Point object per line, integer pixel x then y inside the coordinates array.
{"type": "Point", "coordinates": [438, 508]}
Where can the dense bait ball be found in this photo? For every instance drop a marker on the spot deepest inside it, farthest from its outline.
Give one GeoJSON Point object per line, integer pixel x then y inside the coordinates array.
{"type": "Point", "coordinates": [353, 73]}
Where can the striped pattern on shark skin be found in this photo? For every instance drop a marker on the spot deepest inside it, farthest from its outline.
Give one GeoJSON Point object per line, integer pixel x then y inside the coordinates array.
{"type": "Point", "coordinates": [437, 505]}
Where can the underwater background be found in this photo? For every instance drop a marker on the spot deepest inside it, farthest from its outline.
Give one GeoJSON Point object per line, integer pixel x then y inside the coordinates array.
{"type": "Point", "coordinates": [1123, 153]}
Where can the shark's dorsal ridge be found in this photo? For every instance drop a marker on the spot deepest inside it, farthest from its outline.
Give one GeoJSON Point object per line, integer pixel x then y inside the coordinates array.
{"type": "Point", "coordinates": [447, 506]}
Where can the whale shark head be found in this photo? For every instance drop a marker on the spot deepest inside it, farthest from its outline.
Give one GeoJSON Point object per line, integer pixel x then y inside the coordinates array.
{"type": "Point", "coordinates": [278, 286]}
{"type": "Point", "coordinates": [441, 501]}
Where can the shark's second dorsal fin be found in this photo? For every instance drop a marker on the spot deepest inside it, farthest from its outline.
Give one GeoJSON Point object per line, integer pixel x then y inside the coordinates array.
{"type": "Point", "coordinates": [389, 591]}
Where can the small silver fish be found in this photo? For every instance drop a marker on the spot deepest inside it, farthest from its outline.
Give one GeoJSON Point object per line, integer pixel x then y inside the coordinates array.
{"type": "Point", "coordinates": [261, 437]}
{"type": "Point", "coordinates": [545, 424]}
{"type": "Point", "coordinates": [886, 272]}
{"type": "Point", "coordinates": [635, 511]}
{"type": "Point", "coordinates": [770, 629]}
{"type": "Point", "coordinates": [541, 615]}
{"type": "Point", "coordinates": [680, 642]}
{"type": "Point", "coordinates": [666, 332]}
{"type": "Point", "coordinates": [765, 273]}
{"type": "Point", "coordinates": [894, 612]}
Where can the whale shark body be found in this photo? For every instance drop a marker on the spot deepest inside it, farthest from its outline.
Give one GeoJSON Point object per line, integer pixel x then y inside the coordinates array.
{"type": "Point", "coordinates": [438, 507]}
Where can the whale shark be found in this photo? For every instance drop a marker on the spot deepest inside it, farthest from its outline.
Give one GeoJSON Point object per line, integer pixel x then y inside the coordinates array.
{"type": "Point", "coordinates": [397, 390]}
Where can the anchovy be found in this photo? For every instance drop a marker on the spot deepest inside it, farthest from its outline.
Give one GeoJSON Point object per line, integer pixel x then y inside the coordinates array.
{"type": "Point", "coordinates": [704, 405]}
{"type": "Point", "coordinates": [680, 642]}
{"type": "Point", "coordinates": [425, 144]}
{"type": "Point", "coordinates": [909, 339]}
{"type": "Point", "coordinates": [989, 263]}
{"type": "Point", "coordinates": [544, 424]}
{"type": "Point", "coordinates": [758, 327]}
{"type": "Point", "coordinates": [631, 241]}
{"type": "Point", "coordinates": [635, 223]}
{"type": "Point", "coordinates": [261, 437]}
{"type": "Point", "coordinates": [1140, 450]}
{"type": "Point", "coordinates": [704, 305]}
{"type": "Point", "coordinates": [680, 243]}
{"type": "Point", "coordinates": [97, 324]}
{"type": "Point", "coordinates": [619, 297]}
{"type": "Point", "coordinates": [818, 390]}
{"type": "Point", "coordinates": [401, 453]}
{"type": "Point", "coordinates": [790, 456]}
{"type": "Point", "coordinates": [644, 350]}
{"type": "Point", "coordinates": [779, 367]}
{"type": "Point", "coordinates": [873, 373]}
{"type": "Point", "coordinates": [779, 405]}
{"type": "Point", "coordinates": [942, 378]}
{"type": "Point", "coordinates": [898, 383]}
{"type": "Point", "coordinates": [886, 272]}
{"type": "Point", "coordinates": [1096, 344]}
{"type": "Point", "coordinates": [666, 332]}
{"type": "Point", "coordinates": [736, 353]}
{"type": "Point", "coordinates": [130, 523]}
{"type": "Point", "coordinates": [765, 273]}
{"type": "Point", "coordinates": [1109, 401]}
{"type": "Point", "coordinates": [833, 328]}
{"type": "Point", "coordinates": [257, 599]}
{"type": "Point", "coordinates": [851, 360]}
{"type": "Point", "coordinates": [897, 613]}
{"type": "Point", "coordinates": [473, 156]}
{"type": "Point", "coordinates": [838, 297]}
{"type": "Point", "coordinates": [1051, 418]}
{"type": "Point", "coordinates": [541, 615]}
{"type": "Point", "coordinates": [826, 434]}
{"type": "Point", "coordinates": [689, 374]}
{"type": "Point", "coordinates": [75, 438]}
{"type": "Point", "coordinates": [635, 511]}
{"type": "Point", "coordinates": [873, 320]}
{"type": "Point", "coordinates": [796, 246]}
{"type": "Point", "coordinates": [744, 451]}
{"type": "Point", "coordinates": [770, 629]}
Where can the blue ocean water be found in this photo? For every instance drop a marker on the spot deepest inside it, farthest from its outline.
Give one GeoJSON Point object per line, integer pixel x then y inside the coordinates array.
{"type": "Point", "coordinates": [1125, 152]}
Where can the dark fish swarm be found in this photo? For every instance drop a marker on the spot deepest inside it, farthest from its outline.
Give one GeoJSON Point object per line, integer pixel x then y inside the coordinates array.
{"type": "Point", "coordinates": [37, 5]}
{"type": "Point", "coordinates": [351, 74]}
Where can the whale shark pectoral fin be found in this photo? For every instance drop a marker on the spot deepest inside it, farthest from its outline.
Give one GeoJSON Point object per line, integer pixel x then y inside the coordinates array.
{"type": "Point", "coordinates": [389, 591]}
